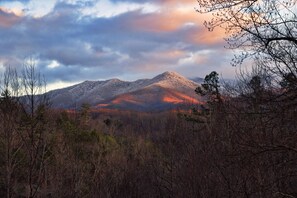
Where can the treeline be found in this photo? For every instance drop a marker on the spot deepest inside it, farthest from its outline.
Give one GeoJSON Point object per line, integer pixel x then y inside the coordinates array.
{"type": "Point", "coordinates": [241, 143]}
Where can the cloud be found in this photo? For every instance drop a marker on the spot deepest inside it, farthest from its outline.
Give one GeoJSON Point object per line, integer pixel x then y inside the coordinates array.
{"type": "Point", "coordinates": [8, 18]}
{"type": "Point", "coordinates": [74, 42]}
{"type": "Point", "coordinates": [37, 8]}
{"type": "Point", "coordinates": [174, 2]}
{"type": "Point", "coordinates": [106, 8]}
{"type": "Point", "coordinates": [33, 8]}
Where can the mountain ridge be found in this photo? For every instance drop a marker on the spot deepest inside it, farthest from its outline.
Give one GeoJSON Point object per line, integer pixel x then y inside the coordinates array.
{"type": "Point", "coordinates": [165, 91]}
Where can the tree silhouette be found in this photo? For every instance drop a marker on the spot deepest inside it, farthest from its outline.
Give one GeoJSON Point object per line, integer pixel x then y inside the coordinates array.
{"type": "Point", "coordinates": [264, 30]}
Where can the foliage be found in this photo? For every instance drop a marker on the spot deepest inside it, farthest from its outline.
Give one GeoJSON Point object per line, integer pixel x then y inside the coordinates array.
{"type": "Point", "coordinates": [210, 87]}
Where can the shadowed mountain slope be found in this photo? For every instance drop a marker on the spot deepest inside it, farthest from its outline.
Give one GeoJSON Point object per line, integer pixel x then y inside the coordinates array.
{"type": "Point", "coordinates": [163, 92]}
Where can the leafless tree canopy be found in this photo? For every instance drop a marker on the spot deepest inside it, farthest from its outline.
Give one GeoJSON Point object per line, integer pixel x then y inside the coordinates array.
{"type": "Point", "coordinates": [263, 29]}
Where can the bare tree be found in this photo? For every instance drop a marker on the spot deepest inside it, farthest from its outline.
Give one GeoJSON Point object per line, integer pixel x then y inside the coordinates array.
{"type": "Point", "coordinates": [262, 29]}
{"type": "Point", "coordinates": [9, 115]}
{"type": "Point", "coordinates": [33, 127]}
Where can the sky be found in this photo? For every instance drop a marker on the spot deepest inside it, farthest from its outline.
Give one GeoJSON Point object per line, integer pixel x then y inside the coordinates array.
{"type": "Point", "coordinates": [71, 41]}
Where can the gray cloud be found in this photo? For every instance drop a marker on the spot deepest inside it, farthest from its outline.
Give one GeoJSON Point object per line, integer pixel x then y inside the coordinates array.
{"type": "Point", "coordinates": [94, 48]}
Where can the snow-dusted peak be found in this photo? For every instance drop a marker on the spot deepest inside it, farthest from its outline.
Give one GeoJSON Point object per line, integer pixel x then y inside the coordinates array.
{"type": "Point", "coordinates": [94, 92]}
{"type": "Point", "coordinates": [169, 74]}
{"type": "Point", "coordinates": [114, 80]}
{"type": "Point", "coordinates": [88, 81]}
{"type": "Point", "coordinates": [174, 80]}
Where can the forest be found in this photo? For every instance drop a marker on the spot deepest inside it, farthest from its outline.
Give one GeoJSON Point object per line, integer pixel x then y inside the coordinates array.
{"type": "Point", "coordinates": [242, 142]}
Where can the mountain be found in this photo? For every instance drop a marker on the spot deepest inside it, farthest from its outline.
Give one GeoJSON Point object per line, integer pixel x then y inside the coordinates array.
{"type": "Point", "coordinates": [166, 91]}
{"type": "Point", "coordinates": [198, 80]}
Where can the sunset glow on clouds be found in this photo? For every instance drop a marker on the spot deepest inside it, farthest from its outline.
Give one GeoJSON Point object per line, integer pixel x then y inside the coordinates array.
{"type": "Point", "coordinates": [76, 40]}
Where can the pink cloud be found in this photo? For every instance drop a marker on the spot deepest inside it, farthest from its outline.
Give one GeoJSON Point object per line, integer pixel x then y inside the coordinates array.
{"type": "Point", "coordinates": [203, 36]}
{"type": "Point", "coordinates": [165, 21]}
{"type": "Point", "coordinates": [8, 19]}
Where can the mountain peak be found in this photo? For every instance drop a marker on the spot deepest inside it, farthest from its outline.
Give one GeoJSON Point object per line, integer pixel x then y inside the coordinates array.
{"type": "Point", "coordinates": [114, 80]}
{"type": "Point", "coordinates": [170, 73]}
{"type": "Point", "coordinates": [168, 88]}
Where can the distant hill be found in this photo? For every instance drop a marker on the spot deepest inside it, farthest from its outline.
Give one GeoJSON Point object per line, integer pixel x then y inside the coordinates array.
{"type": "Point", "coordinates": [166, 91]}
{"type": "Point", "coordinates": [197, 80]}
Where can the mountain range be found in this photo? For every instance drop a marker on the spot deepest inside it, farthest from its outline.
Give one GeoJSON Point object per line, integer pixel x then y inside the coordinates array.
{"type": "Point", "coordinates": [166, 91]}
